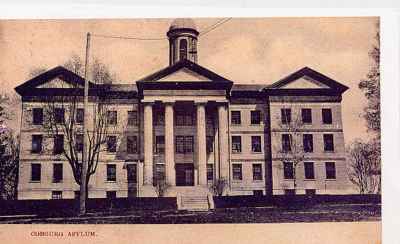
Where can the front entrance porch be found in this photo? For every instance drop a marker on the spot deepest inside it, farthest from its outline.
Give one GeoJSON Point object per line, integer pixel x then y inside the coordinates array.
{"type": "Point", "coordinates": [184, 174]}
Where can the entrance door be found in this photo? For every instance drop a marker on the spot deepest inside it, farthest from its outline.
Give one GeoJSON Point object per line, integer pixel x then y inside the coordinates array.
{"type": "Point", "coordinates": [131, 171]}
{"type": "Point", "coordinates": [184, 174]}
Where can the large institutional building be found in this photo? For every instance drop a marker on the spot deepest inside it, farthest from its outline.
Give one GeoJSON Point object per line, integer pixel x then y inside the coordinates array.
{"type": "Point", "coordinates": [191, 127]}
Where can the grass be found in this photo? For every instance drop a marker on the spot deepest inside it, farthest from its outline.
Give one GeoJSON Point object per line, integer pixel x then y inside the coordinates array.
{"type": "Point", "coordinates": [316, 213]}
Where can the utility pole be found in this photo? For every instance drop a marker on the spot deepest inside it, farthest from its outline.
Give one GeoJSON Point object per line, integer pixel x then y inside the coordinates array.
{"type": "Point", "coordinates": [85, 151]}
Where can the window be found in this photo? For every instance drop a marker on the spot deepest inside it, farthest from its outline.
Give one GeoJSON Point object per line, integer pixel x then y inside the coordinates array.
{"type": "Point", "coordinates": [57, 173]}
{"type": "Point", "coordinates": [330, 170]}
{"type": "Point", "coordinates": [258, 193]}
{"type": "Point", "coordinates": [56, 194]}
{"type": "Point", "coordinates": [180, 144]}
{"type": "Point", "coordinates": [309, 170]}
{"type": "Point", "coordinates": [257, 172]}
{"type": "Point", "coordinates": [286, 142]}
{"type": "Point", "coordinates": [210, 144]}
{"type": "Point", "coordinates": [79, 142]}
{"type": "Point", "coordinates": [111, 143]}
{"type": "Point", "coordinates": [112, 117]}
{"type": "Point", "coordinates": [236, 144]}
{"type": "Point", "coordinates": [182, 49]}
{"type": "Point", "coordinates": [80, 114]}
{"type": "Point", "coordinates": [237, 171]}
{"type": "Point", "coordinates": [132, 173]}
{"type": "Point", "coordinates": [306, 115]}
{"type": "Point", "coordinates": [189, 119]}
{"type": "Point", "coordinates": [308, 145]}
{"type": "Point", "coordinates": [36, 172]}
{"type": "Point", "coordinates": [111, 172]}
{"type": "Point", "coordinates": [310, 192]}
{"type": "Point", "coordinates": [160, 145]}
{"type": "Point", "coordinates": [210, 172]}
{"type": "Point", "coordinates": [189, 144]}
{"type": "Point", "coordinates": [59, 115]}
{"type": "Point", "coordinates": [37, 114]}
{"type": "Point", "coordinates": [184, 118]}
{"type": "Point", "coordinates": [131, 144]}
{"type": "Point", "coordinates": [132, 118]}
{"type": "Point", "coordinates": [326, 116]}
{"type": "Point", "coordinates": [288, 170]}
{"type": "Point", "coordinates": [256, 143]}
{"type": "Point", "coordinates": [159, 118]}
{"type": "Point", "coordinates": [328, 143]}
{"type": "Point", "coordinates": [255, 117]}
{"type": "Point", "coordinates": [159, 175]}
{"type": "Point", "coordinates": [209, 120]}
{"type": "Point", "coordinates": [236, 118]}
{"type": "Point", "coordinates": [286, 115]}
{"type": "Point", "coordinates": [58, 144]}
{"type": "Point", "coordinates": [37, 143]}
{"type": "Point", "coordinates": [290, 192]}
{"type": "Point", "coordinates": [111, 194]}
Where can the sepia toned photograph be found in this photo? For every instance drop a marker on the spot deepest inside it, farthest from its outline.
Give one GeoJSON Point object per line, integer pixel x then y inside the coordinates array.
{"type": "Point", "coordinates": [190, 121]}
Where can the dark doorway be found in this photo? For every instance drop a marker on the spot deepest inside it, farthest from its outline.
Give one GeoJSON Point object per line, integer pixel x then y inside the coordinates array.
{"type": "Point", "coordinates": [131, 171]}
{"type": "Point", "coordinates": [184, 174]}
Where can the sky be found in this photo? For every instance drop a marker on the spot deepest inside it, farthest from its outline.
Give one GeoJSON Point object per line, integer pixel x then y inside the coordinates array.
{"type": "Point", "coordinates": [244, 50]}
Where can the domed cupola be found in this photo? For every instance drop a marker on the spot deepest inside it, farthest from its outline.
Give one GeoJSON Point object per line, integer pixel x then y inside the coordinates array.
{"type": "Point", "coordinates": [182, 35]}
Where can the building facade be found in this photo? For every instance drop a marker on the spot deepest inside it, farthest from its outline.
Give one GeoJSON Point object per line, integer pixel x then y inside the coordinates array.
{"type": "Point", "coordinates": [190, 128]}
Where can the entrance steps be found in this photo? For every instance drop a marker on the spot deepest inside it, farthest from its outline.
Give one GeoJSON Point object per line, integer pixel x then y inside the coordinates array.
{"type": "Point", "coordinates": [194, 199]}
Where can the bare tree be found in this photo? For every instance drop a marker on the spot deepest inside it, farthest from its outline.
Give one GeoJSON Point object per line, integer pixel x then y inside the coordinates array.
{"type": "Point", "coordinates": [292, 149]}
{"type": "Point", "coordinates": [62, 115]}
{"type": "Point", "coordinates": [364, 167]}
{"type": "Point", "coordinates": [218, 187]}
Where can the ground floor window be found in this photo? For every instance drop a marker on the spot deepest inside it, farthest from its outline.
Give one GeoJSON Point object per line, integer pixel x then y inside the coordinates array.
{"type": "Point", "coordinates": [288, 170]}
{"type": "Point", "coordinates": [309, 170]}
{"type": "Point", "coordinates": [257, 172]}
{"type": "Point", "coordinates": [111, 172]}
{"type": "Point", "coordinates": [290, 192]}
{"type": "Point", "coordinates": [159, 174]}
{"type": "Point", "coordinates": [36, 172]}
{"type": "Point", "coordinates": [237, 171]}
{"type": "Point", "coordinates": [56, 194]}
{"type": "Point", "coordinates": [310, 192]}
{"type": "Point", "coordinates": [111, 194]}
{"type": "Point", "coordinates": [57, 172]}
{"type": "Point", "coordinates": [330, 170]}
{"type": "Point", "coordinates": [210, 172]}
{"type": "Point", "coordinates": [257, 193]}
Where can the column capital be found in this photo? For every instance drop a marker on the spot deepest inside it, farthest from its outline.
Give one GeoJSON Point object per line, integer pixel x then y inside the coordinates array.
{"type": "Point", "coordinates": [200, 102]}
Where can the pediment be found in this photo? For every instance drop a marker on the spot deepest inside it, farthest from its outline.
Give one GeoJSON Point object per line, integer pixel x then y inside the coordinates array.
{"type": "Point", "coordinates": [184, 74]}
{"type": "Point", "coordinates": [305, 82]}
{"type": "Point", "coordinates": [58, 83]}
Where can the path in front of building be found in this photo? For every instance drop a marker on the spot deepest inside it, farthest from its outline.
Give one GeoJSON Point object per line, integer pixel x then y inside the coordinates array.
{"type": "Point", "coordinates": [319, 213]}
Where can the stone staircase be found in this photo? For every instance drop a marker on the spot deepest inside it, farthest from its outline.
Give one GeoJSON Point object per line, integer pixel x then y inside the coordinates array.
{"type": "Point", "coordinates": [194, 200]}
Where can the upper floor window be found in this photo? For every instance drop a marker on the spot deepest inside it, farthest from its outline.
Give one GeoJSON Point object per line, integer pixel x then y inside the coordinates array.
{"type": "Point", "coordinates": [80, 115]}
{"type": "Point", "coordinates": [326, 116]}
{"type": "Point", "coordinates": [330, 170]}
{"type": "Point", "coordinates": [255, 117]}
{"type": "Point", "coordinates": [36, 172]}
{"type": "Point", "coordinates": [59, 115]}
{"type": "Point", "coordinates": [184, 144]}
{"type": "Point", "coordinates": [37, 143]}
{"type": "Point", "coordinates": [257, 172]}
{"type": "Point", "coordinates": [58, 144]}
{"type": "Point", "coordinates": [286, 142]}
{"type": "Point", "coordinates": [237, 171]}
{"type": "Point", "coordinates": [111, 172]}
{"type": "Point", "coordinates": [160, 145]}
{"type": "Point", "coordinates": [236, 144]}
{"type": "Point", "coordinates": [328, 143]}
{"type": "Point", "coordinates": [210, 144]}
{"type": "Point", "coordinates": [111, 143]}
{"type": "Point", "coordinates": [132, 118]}
{"type": "Point", "coordinates": [286, 115]}
{"type": "Point", "coordinates": [159, 118]}
{"type": "Point", "coordinates": [184, 118]}
{"type": "Point", "coordinates": [57, 172]}
{"type": "Point", "coordinates": [288, 170]}
{"type": "Point", "coordinates": [309, 170]}
{"type": "Point", "coordinates": [308, 144]}
{"type": "Point", "coordinates": [112, 117]}
{"type": "Point", "coordinates": [131, 144]}
{"type": "Point", "coordinates": [256, 143]}
{"type": "Point", "coordinates": [37, 114]}
{"type": "Point", "coordinates": [210, 172]}
{"type": "Point", "coordinates": [79, 142]}
{"type": "Point", "coordinates": [182, 49]}
{"type": "Point", "coordinates": [306, 115]}
{"type": "Point", "coordinates": [236, 118]}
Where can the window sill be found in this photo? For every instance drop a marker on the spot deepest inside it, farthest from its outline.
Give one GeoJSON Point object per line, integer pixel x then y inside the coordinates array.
{"type": "Point", "coordinates": [236, 152]}
{"type": "Point", "coordinates": [34, 181]}
{"type": "Point", "coordinates": [257, 152]}
{"type": "Point", "coordinates": [330, 179]}
{"type": "Point", "coordinates": [309, 179]}
{"type": "Point", "coordinates": [110, 182]}
{"type": "Point", "coordinates": [258, 181]}
{"type": "Point", "coordinates": [58, 182]}
{"type": "Point", "coordinates": [329, 151]}
{"type": "Point", "coordinates": [288, 179]}
{"type": "Point", "coordinates": [260, 124]}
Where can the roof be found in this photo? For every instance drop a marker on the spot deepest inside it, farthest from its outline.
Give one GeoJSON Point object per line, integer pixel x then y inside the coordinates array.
{"type": "Point", "coordinates": [306, 71]}
{"type": "Point", "coordinates": [248, 87]}
{"type": "Point", "coordinates": [182, 23]}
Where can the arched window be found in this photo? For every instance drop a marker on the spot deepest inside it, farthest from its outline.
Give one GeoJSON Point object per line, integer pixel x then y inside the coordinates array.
{"type": "Point", "coordinates": [182, 49]}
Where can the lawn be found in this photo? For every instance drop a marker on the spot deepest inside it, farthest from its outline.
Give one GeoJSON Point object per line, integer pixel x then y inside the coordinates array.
{"type": "Point", "coordinates": [271, 214]}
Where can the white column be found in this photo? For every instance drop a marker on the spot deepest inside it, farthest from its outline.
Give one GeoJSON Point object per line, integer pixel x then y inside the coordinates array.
{"type": "Point", "coordinates": [148, 144]}
{"type": "Point", "coordinates": [169, 144]}
{"type": "Point", "coordinates": [223, 141]}
{"type": "Point", "coordinates": [201, 144]}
